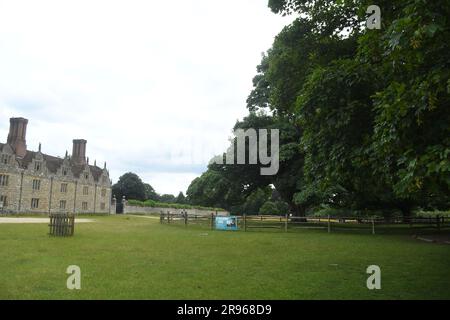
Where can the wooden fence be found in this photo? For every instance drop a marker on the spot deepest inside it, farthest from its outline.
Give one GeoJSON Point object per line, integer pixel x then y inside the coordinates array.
{"type": "Point", "coordinates": [184, 218]}
{"type": "Point", "coordinates": [62, 224]}
{"type": "Point", "coordinates": [329, 224]}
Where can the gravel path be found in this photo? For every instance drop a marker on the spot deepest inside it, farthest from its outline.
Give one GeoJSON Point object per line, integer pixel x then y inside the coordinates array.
{"type": "Point", "coordinates": [36, 220]}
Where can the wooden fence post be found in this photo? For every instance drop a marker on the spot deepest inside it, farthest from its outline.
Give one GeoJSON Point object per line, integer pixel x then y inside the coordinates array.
{"type": "Point", "coordinates": [212, 221]}
{"type": "Point", "coordinates": [245, 222]}
{"type": "Point", "coordinates": [185, 218]}
{"type": "Point", "coordinates": [329, 224]}
{"type": "Point", "coordinates": [286, 223]}
{"type": "Point", "coordinates": [73, 224]}
{"type": "Point", "coordinates": [168, 217]}
{"type": "Point", "coordinates": [438, 222]}
{"type": "Point", "coordinates": [373, 226]}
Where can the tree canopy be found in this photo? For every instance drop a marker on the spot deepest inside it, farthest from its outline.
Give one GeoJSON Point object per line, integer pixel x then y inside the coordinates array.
{"type": "Point", "coordinates": [363, 114]}
{"type": "Point", "coordinates": [130, 186]}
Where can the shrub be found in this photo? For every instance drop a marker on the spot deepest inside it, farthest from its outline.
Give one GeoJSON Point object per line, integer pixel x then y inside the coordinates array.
{"type": "Point", "coordinates": [153, 204]}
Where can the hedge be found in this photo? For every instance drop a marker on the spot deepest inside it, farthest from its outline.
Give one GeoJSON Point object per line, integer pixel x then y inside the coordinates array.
{"type": "Point", "coordinates": [153, 204]}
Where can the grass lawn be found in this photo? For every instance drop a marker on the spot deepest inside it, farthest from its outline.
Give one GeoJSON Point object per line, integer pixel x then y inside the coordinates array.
{"type": "Point", "coordinates": [123, 257]}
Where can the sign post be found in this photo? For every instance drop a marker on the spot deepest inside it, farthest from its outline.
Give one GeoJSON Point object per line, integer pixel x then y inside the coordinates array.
{"type": "Point", "coordinates": [226, 223]}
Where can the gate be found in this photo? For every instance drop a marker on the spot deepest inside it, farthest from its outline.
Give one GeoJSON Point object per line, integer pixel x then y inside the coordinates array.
{"type": "Point", "coordinates": [119, 207]}
{"type": "Point", "coordinates": [62, 224]}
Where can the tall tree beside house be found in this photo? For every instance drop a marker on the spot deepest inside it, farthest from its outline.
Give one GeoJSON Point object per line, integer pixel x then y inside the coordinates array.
{"type": "Point", "coordinates": [130, 186]}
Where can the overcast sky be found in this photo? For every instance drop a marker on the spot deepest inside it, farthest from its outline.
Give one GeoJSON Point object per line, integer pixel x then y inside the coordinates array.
{"type": "Point", "coordinates": [154, 86]}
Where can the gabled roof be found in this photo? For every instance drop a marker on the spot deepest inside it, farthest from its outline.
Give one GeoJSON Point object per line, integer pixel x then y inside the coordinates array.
{"type": "Point", "coordinates": [54, 163]}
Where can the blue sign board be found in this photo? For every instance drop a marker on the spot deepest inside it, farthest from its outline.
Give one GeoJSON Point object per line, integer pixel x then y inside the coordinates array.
{"type": "Point", "coordinates": [227, 223]}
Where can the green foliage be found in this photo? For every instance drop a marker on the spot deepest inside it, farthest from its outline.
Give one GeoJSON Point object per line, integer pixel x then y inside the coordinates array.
{"type": "Point", "coordinates": [255, 200]}
{"type": "Point", "coordinates": [373, 106]}
{"type": "Point", "coordinates": [167, 198]}
{"type": "Point", "coordinates": [181, 199]}
{"type": "Point", "coordinates": [363, 114]}
{"type": "Point", "coordinates": [130, 186]}
{"type": "Point", "coordinates": [212, 189]}
{"type": "Point", "coordinates": [150, 193]}
{"type": "Point", "coordinates": [274, 208]}
{"type": "Point", "coordinates": [412, 132]}
{"type": "Point", "coordinates": [156, 204]}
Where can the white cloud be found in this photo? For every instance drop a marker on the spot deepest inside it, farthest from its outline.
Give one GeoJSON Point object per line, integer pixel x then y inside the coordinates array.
{"type": "Point", "coordinates": [154, 86]}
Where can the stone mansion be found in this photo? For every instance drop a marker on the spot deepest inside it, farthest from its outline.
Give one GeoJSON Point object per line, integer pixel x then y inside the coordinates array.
{"type": "Point", "coordinates": [34, 182]}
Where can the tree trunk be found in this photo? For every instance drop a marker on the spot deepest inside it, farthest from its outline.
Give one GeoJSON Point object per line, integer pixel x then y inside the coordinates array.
{"type": "Point", "coordinates": [406, 209]}
{"type": "Point", "coordinates": [297, 210]}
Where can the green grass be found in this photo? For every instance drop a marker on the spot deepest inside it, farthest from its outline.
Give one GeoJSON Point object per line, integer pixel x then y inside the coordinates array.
{"type": "Point", "coordinates": [123, 257]}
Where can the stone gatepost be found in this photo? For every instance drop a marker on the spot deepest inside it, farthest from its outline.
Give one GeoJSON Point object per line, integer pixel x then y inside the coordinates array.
{"type": "Point", "coordinates": [124, 203]}
{"type": "Point", "coordinates": [112, 209]}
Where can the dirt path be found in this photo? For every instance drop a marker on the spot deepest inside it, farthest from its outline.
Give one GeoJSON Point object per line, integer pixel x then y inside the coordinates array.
{"type": "Point", "coordinates": [36, 220]}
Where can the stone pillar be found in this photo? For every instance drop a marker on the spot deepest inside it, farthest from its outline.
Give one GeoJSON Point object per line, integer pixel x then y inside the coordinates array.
{"type": "Point", "coordinates": [124, 203]}
{"type": "Point", "coordinates": [112, 207]}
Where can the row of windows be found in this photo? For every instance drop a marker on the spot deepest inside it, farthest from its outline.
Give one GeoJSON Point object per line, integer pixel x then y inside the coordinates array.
{"type": "Point", "coordinates": [37, 186]}
{"type": "Point", "coordinates": [4, 180]}
{"type": "Point", "coordinates": [63, 204]}
{"type": "Point", "coordinates": [35, 204]}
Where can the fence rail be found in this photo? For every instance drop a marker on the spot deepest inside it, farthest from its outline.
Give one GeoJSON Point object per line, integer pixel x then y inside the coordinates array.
{"type": "Point", "coordinates": [62, 224]}
{"type": "Point", "coordinates": [288, 223]}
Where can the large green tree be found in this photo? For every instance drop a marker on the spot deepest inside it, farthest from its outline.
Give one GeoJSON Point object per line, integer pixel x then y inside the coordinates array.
{"type": "Point", "coordinates": [411, 142]}
{"type": "Point", "coordinates": [130, 186]}
{"type": "Point", "coordinates": [212, 189]}
{"type": "Point", "coordinates": [363, 114]}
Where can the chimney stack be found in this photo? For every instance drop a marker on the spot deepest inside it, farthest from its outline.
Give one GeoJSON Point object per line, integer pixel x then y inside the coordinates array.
{"type": "Point", "coordinates": [79, 151]}
{"type": "Point", "coordinates": [17, 136]}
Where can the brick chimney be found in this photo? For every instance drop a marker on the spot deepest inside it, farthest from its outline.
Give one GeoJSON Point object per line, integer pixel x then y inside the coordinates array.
{"type": "Point", "coordinates": [17, 136]}
{"type": "Point", "coordinates": [79, 151]}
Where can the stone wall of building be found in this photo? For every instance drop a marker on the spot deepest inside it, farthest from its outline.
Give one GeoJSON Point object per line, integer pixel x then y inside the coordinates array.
{"type": "Point", "coordinates": [38, 183]}
{"type": "Point", "coordinates": [54, 193]}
